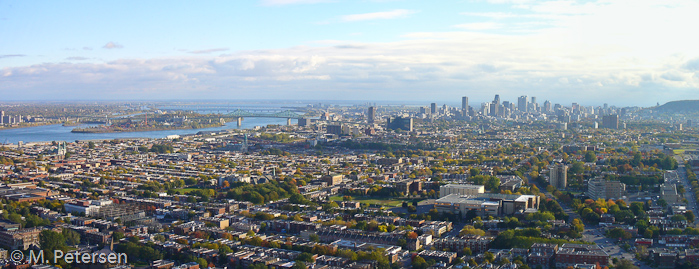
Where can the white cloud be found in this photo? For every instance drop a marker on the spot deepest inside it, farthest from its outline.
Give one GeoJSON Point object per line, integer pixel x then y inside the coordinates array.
{"type": "Point", "coordinates": [11, 55]}
{"type": "Point", "coordinates": [112, 45]}
{"type": "Point", "coordinates": [393, 14]}
{"type": "Point", "coordinates": [207, 51]}
{"type": "Point", "coordinates": [437, 66]}
{"type": "Point", "coordinates": [573, 53]}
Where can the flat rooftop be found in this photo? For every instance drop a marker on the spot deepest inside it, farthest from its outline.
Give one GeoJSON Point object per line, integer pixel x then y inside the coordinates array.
{"type": "Point", "coordinates": [463, 186]}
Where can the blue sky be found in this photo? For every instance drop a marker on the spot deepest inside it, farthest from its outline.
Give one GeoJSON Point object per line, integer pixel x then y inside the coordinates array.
{"type": "Point", "coordinates": [590, 52]}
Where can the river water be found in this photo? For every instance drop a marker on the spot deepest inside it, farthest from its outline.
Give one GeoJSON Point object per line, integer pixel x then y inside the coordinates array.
{"type": "Point", "coordinates": [58, 132]}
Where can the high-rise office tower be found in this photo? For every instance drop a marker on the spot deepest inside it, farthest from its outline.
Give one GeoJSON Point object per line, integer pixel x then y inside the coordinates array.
{"type": "Point", "coordinates": [485, 108]}
{"type": "Point", "coordinates": [497, 99]}
{"type": "Point", "coordinates": [610, 122]}
{"type": "Point", "coordinates": [405, 124]}
{"type": "Point", "coordinates": [433, 108]}
{"type": "Point", "coordinates": [464, 106]}
{"type": "Point", "coordinates": [371, 114]}
{"type": "Point", "coordinates": [533, 101]}
{"type": "Point", "coordinates": [558, 176]}
{"type": "Point", "coordinates": [522, 103]}
{"type": "Point", "coordinates": [494, 109]}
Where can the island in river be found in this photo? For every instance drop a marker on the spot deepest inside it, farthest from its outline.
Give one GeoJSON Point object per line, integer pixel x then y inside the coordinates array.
{"type": "Point", "coordinates": [117, 129]}
{"type": "Point", "coordinates": [157, 122]}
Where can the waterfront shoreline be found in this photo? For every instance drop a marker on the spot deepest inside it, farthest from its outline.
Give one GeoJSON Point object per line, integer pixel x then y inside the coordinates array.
{"type": "Point", "coordinates": [56, 132]}
{"type": "Point", "coordinates": [101, 130]}
{"type": "Point", "coordinates": [22, 127]}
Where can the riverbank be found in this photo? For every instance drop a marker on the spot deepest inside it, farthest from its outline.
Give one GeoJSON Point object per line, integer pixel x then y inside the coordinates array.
{"type": "Point", "coordinates": [57, 132]}
{"type": "Point", "coordinates": [103, 130]}
{"type": "Point", "coordinates": [5, 127]}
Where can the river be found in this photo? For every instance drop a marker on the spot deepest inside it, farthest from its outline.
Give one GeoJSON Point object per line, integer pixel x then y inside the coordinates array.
{"type": "Point", "coordinates": [58, 132]}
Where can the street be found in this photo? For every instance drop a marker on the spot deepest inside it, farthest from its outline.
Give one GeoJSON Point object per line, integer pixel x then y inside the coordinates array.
{"type": "Point", "coordinates": [595, 234]}
{"type": "Point", "coordinates": [688, 194]}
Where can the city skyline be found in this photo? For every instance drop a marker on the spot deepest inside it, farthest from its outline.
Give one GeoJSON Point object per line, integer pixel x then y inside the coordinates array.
{"type": "Point", "coordinates": [561, 51]}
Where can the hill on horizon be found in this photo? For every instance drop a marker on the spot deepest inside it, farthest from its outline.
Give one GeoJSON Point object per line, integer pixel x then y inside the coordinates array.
{"type": "Point", "coordinates": [679, 106]}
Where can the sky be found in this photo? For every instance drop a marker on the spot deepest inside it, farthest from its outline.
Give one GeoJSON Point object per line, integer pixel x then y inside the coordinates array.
{"type": "Point", "coordinates": [626, 53]}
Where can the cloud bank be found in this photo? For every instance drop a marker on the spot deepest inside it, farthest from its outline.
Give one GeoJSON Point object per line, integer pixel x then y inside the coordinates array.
{"type": "Point", "coordinates": [207, 51]}
{"type": "Point", "coordinates": [11, 55]}
{"type": "Point", "coordinates": [560, 51]}
{"type": "Point", "coordinates": [112, 45]}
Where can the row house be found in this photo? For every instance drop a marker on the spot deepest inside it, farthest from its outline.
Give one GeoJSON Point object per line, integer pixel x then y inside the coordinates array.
{"type": "Point", "coordinates": [477, 244]}
{"type": "Point", "coordinates": [572, 254]}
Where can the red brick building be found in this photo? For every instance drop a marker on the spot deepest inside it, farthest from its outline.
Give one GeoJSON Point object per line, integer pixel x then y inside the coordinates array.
{"type": "Point", "coordinates": [542, 254]}
{"type": "Point", "coordinates": [572, 254]}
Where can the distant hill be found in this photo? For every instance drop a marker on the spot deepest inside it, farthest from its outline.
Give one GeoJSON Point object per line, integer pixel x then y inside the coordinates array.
{"type": "Point", "coordinates": [679, 106]}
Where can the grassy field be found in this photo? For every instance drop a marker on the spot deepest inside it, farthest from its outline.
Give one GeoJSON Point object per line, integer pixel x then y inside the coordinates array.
{"type": "Point", "coordinates": [390, 202]}
{"type": "Point", "coordinates": [185, 190]}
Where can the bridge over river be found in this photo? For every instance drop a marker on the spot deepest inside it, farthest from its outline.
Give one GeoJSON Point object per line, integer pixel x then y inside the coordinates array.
{"type": "Point", "coordinates": [287, 114]}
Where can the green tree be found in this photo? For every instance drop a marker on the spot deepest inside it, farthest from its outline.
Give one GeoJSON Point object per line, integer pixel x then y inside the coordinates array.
{"type": "Point", "coordinates": [50, 241]}
{"type": "Point", "coordinates": [590, 156]}
{"type": "Point", "coordinates": [489, 257]}
{"type": "Point", "coordinates": [314, 238]}
{"type": "Point", "coordinates": [419, 263]}
{"type": "Point", "coordinates": [203, 263]}
{"type": "Point", "coordinates": [689, 215]}
{"type": "Point", "coordinates": [72, 237]}
{"type": "Point", "coordinates": [117, 236]}
{"type": "Point", "coordinates": [577, 168]}
{"type": "Point", "coordinates": [16, 218]}
{"type": "Point", "coordinates": [504, 261]}
{"type": "Point", "coordinates": [474, 171]}
{"type": "Point", "coordinates": [618, 233]}
{"type": "Point", "coordinates": [160, 237]}
{"type": "Point", "coordinates": [468, 229]}
{"type": "Point", "coordinates": [305, 257]}
{"type": "Point", "coordinates": [678, 217]}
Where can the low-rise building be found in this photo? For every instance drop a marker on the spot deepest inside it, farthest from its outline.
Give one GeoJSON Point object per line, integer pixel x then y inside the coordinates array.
{"type": "Point", "coordinates": [20, 239]}
{"type": "Point", "coordinates": [440, 256]}
{"type": "Point", "coordinates": [486, 204]}
{"type": "Point", "coordinates": [477, 244]}
{"type": "Point", "coordinates": [460, 189]}
{"type": "Point", "coordinates": [572, 254]}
